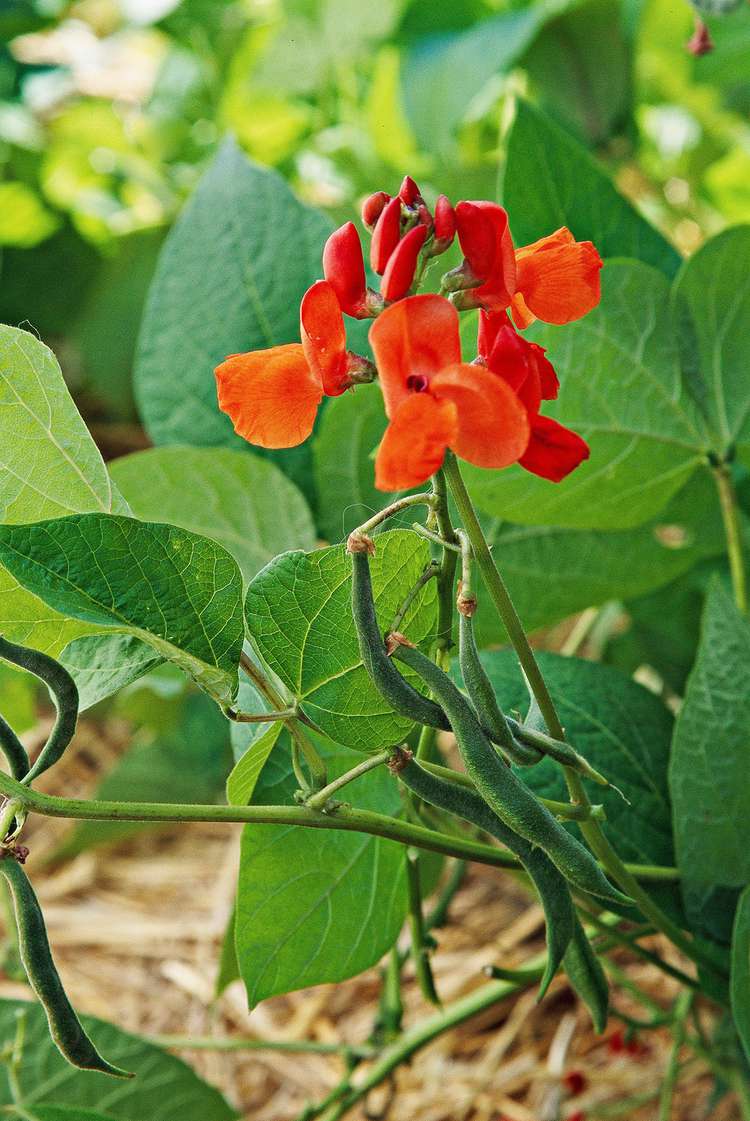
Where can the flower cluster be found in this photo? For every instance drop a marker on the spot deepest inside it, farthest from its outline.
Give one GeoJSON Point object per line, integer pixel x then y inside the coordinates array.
{"type": "Point", "coordinates": [486, 411]}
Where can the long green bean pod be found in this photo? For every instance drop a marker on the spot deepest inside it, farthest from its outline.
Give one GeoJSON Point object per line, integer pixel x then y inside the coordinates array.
{"type": "Point", "coordinates": [34, 948]}
{"type": "Point", "coordinates": [556, 749]}
{"type": "Point", "coordinates": [64, 693]}
{"type": "Point", "coordinates": [503, 791]}
{"type": "Point", "coordinates": [482, 696]}
{"type": "Point", "coordinates": [402, 696]}
{"type": "Point", "coordinates": [14, 751]}
{"type": "Point", "coordinates": [551, 885]}
{"type": "Point", "coordinates": [587, 976]}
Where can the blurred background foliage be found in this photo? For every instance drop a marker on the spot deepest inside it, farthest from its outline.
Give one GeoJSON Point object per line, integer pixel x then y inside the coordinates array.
{"type": "Point", "coordinates": [111, 109]}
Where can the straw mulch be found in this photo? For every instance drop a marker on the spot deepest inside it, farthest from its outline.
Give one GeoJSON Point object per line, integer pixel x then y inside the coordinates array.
{"type": "Point", "coordinates": [137, 929]}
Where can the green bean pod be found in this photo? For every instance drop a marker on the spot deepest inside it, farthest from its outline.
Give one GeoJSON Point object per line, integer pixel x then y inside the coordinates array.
{"type": "Point", "coordinates": [14, 751]}
{"type": "Point", "coordinates": [558, 750]}
{"type": "Point", "coordinates": [551, 886]}
{"type": "Point", "coordinates": [504, 792]}
{"type": "Point", "coordinates": [587, 976]}
{"type": "Point", "coordinates": [482, 696]}
{"type": "Point", "coordinates": [401, 696]}
{"type": "Point", "coordinates": [64, 693]}
{"type": "Point", "coordinates": [33, 944]}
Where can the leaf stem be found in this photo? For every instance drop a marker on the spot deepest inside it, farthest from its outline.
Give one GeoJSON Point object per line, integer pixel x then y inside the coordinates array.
{"type": "Point", "coordinates": [447, 576]}
{"type": "Point", "coordinates": [320, 799]}
{"type": "Point", "coordinates": [409, 500]}
{"type": "Point", "coordinates": [420, 948]}
{"type": "Point", "coordinates": [730, 516]}
{"type": "Point", "coordinates": [227, 1043]}
{"type": "Point", "coordinates": [672, 1073]}
{"type": "Point", "coordinates": [436, 539]}
{"type": "Point", "coordinates": [430, 572]}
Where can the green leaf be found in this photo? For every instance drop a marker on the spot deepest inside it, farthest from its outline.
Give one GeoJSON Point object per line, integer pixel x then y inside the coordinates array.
{"type": "Point", "coordinates": [712, 295]}
{"type": "Point", "coordinates": [230, 278]}
{"type": "Point", "coordinates": [298, 612]}
{"type": "Point", "coordinates": [740, 974]}
{"type": "Point", "coordinates": [243, 502]}
{"type": "Point", "coordinates": [621, 388]}
{"type": "Point", "coordinates": [708, 773]}
{"type": "Point", "coordinates": [103, 664]}
{"type": "Point", "coordinates": [624, 731]}
{"type": "Point", "coordinates": [244, 777]}
{"type": "Point", "coordinates": [551, 180]}
{"type": "Point", "coordinates": [61, 1113]}
{"type": "Point", "coordinates": [188, 764]}
{"type": "Point", "coordinates": [552, 573]}
{"type": "Point", "coordinates": [179, 593]}
{"type": "Point", "coordinates": [164, 1089]}
{"type": "Point", "coordinates": [317, 906]}
{"type": "Point", "coordinates": [49, 467]}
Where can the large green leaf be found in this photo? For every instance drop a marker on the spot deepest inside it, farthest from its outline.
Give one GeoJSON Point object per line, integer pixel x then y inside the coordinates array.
{"type": "Point", "coordinates": [624, 731]}
{"type": "Point", "coordinates": [298, 612]}
{"type": "Point", "coordinates": [164, 1089]}
{"type": "Point", "coordinates": [553, 572]}
{"type": "Point", "coordinates": [621, 388]}
{"type": "Point", "coordinates": [712, 294]}
{"type": "Point", "coordinates": [551, 180]}
{"type": "Point", "coordinates": [709, 775]}
{"type": "Point", "coordinates": [740, 978]}
{"type": "Point", "coordinates": [316, 905]}
{"type": "Point", "coordinates": [49, 467]}
{"type": "Point", "coordinates": [178, 592]}
{"type": "Point", "coordinates": [102, 664]}
{"type": "Point", "coordinates": [186, 764]}
{"type": "Point", "coordinates": [243, 502]}
{"type": "Point", "coordinates": [230, 278]}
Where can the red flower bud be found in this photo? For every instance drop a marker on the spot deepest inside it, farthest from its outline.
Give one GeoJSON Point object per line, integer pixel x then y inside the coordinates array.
{"type": "Point", "coordinates": [373, 207]}
{"type": "Point", "coordinates": [399, 273]}
{"type": "Point", "coordinates": [386, 235]}
{"type": "Point", "coordinates": [409, 192]}
{"type": "Point", "coordinates": [574, 1082]}
{"type": "Point", "coordinates": [701, 42]}
{"type": "Point", "coordinates": [344, 269]}
{"type": "Point", "coordinates": [445, 221]}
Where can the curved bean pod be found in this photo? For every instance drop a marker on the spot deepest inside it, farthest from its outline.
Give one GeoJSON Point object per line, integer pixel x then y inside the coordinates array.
{"type": "Point", "coordinates": [64, 693]}
{"type": "Point", "coordinates": [33, 944]}
{"type": "Point", "coordinates": [482, 696]}
{"type": "Point", "coordinates": [504, 792]}
{"type": "Point", "coordinates": [14, 751]}
{"type": "Point", "coordinates": [401, 696]}
{"type": "Point", "coordinates": [551, 885]}
{"type": "Point", "coordinates": [587, 976]}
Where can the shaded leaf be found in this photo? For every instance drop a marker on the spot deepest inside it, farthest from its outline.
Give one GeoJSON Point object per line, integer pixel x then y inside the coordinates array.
{"type": "Point", "coordinates": [740, 975]}
{"type": "Point", "coordinates": [102, 664]}
{"type": "Point", "coordinates": [244, 777]}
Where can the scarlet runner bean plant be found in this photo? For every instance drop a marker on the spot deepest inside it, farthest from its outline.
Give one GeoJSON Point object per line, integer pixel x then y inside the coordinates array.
{"type": "Point", "coordinates": [382, 739]}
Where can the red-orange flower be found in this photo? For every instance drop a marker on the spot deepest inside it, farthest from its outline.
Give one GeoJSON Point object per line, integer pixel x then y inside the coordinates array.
{"type": "Point", "coordinates": [434, 401]}
{"type": "Point", "coordinates": [553, 450]}
{"type": "Point", "coordinates": [489, 259]}
{"type": "Point", "coordinates": [557, 279]}
{"type": "Point", "coordinates": [272, 396]}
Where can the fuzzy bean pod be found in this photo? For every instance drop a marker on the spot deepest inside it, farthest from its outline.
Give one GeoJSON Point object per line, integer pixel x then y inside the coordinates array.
{"type": "Point", "coordinates": [587, 976]}
{"type": "Point", "coordinates": [551, 886]}
{"type": "Point", "coordinates": [64, 693]}
{"type": "Point", "coordinates": [504, 792]}
{"type": "Point", "coordinates": [401, 696]}
{"type": "Point", "coordinates": [33, 945]}
{"type": "Point", "coordinates": [14, 751]}
{"type": "Point", "coordinates": [482, 696]}
{"type": "Point", "coordinates": [558, 750]}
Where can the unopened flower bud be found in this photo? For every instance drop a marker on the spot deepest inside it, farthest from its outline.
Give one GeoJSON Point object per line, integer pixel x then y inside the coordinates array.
{"type": "Point", "coordinates": [373, 207]}
{"type": "Point", "coordinates": [444, 227]}
{"type": "Point", "coordinates": [344, 269]}
{"type": "Point", "coordinates": [402, 265]}
{"type": "Point", "coordinates": [409, 192]}
{"type": "Point", "coordinates": [386, 235]}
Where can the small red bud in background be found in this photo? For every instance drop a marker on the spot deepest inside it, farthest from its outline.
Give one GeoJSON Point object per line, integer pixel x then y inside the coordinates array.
{"type": "Point", "coordinates": [399, 273]}
{"type": "Point", "coordinates": [579, 1115]}
{"type": "Point", "coordinates": [616, 1042]}
{"type": "Point", "coordinates": [386, 235]}
{"type": "Point", "coordinates": [701, 42]}
{"type": "Point", "coordinates": [409, 192]}
{"type": "Point", "coordinates": [344, 269]}
{"type": "Point", "coordinates": [373, 207]}
{"type": "Point", "coordinates": [574, 1082]}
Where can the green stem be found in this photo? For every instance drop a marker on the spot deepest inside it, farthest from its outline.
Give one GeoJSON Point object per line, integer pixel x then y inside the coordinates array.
{"type": "Point", "coordinates": [672, 1073]}
{"type": "Point", "coordinates": [431, 571]}
{"type": "Point", "coordinates": [446, 579]}
{"type": "Point", "coordinates": [730, 516]}
{"type": "Point", "coordinates": [259, 717]}
{"type": "Point", "coordinates": [590, 829]}
{"type": "Point", "coordinates": [436, 539]}
{"type": "Point", "coordinates": [294, 1046]}
{"type": "Point", "coordinates": [521, 976]}
{"type": "Point", "coordinates": [319, 800]}
{"type": "Point", "coordinates": [420, 949]}
{"type": "Point", "coordinates": [393, 508]}
{"type": "Point", "coordinates": [438, 916]}
{"type": "Point", "coordinates": [631, 943]}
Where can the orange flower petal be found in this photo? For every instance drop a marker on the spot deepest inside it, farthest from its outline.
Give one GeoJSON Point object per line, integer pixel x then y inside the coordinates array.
{"type": "Point", "coordinates": [412, 340]}
{"type": "Point", "coordinates": [271, 395]}
{"type": "Point", "coordinates": [554, 451]}
{"type": "Point", "coordinates": [415, 441]}
{"type": "Point", "coordinates": [493, 425]}
{"type": "Point", "coordinates": [324, 337]}
{"type": "Point", "coordinates": [558, 279]}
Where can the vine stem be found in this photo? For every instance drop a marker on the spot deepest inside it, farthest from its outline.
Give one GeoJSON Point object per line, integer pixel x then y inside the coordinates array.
{"type": "Point", "coordinates": [590, 828]}
{"type": "Point", "coordinates": [227, 1043]}
{"type": "Point", "coordinates": [729, 513]}
{"type": "Point", "coordinates": [672, 1072]}
{"type": "Point", "coordinates": [319, 800]}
